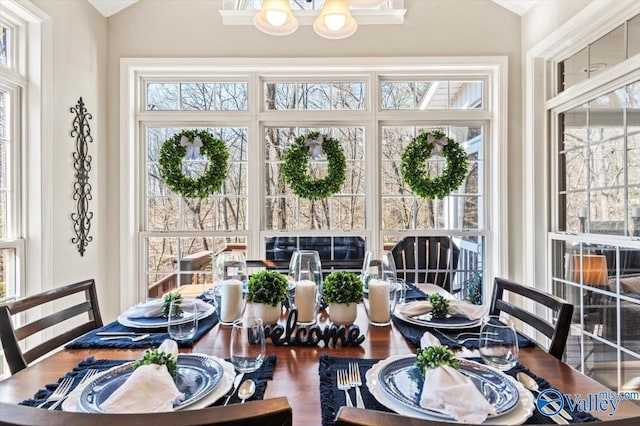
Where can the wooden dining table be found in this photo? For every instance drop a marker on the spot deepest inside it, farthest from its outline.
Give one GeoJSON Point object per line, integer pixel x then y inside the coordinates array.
{"type": "Point", "coordinates": [296, 374]}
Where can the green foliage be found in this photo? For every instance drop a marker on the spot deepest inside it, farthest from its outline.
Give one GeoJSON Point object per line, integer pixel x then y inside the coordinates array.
{"type": "Point", "coordinates": [474, 288]}
{"type": "Point", "coordinates": [439, 306]}
{"type": "Point", "coordinates": [295, 173]}
{"type": "Point", "coordinates": [435, 356]}
{"type": "Point", "coordinates": [168, 298]}
{"type": "Point", "coordinates": [342, 287]}
{"type": "Point", "coordinates": [413, 166]}
{"type": "Point", "coordinates": [268, 287]}
{"type": "Point", "coordinates": [172, 154]}
{"type": "Point", "coordinates": [153, 356]}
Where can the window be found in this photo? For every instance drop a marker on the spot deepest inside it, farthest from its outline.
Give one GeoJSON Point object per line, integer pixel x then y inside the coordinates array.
{"type": "Point", "coordinates": [595, 254]}
{"type": "Point", "coordinates": [259, 114]}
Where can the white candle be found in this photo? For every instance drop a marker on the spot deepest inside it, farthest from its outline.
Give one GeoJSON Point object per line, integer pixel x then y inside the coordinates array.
{"type": "Point", "coordinates": [582, 212]}
{"type": "Point", "coordinates": [379, 307]}
{"type": "Point", "coordinates": [305, 300]}
{"type": "Point", "coordinates": [635, 212]}
{"type": "Point", "coordinates": [230, 300]}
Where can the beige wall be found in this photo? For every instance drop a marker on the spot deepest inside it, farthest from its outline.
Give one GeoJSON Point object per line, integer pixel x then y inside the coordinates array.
{"type": "Point", "coordinates": [79, 66]}
{"type": "Point", "coordinates": [193, 28]}
{"type": "Point", "coordinates": [545, 17]}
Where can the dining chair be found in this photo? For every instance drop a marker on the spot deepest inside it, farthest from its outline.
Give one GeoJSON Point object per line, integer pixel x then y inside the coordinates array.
{"type": "Point", "coordinates": [432, 260]}
{"type": "Point", "coordinates": [348, 416]}
{"type": "Point", "coordinates": [12, 335]}
{"type": "Point", "coordinates": [557, 329]}
{"type": "Point", "coordinates": [267, 412]}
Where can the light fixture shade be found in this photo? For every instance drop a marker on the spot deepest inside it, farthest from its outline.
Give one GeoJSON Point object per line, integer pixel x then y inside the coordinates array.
{"type": "Point", "coordinates": [336, 10]}
{"type": "Point", "coordinates": [366, 4]}
{"type": "Point", "coordinates": [269, 18]}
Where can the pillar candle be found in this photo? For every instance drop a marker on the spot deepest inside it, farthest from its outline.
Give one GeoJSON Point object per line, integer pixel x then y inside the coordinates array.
{"type": "Point", "coordinates": [230, 300]}
{"type": "Point", "coordinates": [305, 300]}
{"type": "Point", "coordinates": [582, 212]}
{"type": "Point", "coordinates": [379, 307]}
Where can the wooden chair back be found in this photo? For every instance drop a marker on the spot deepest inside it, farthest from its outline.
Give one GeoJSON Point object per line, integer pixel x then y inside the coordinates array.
{"type": "Point", "coordinates": [431, 260]}
{"type": "Point", "coordinates": [557, 329]}
{"type": "Point", "coordinates": [348, 416]}
{"type": "Point", "coordinates": [268, 412]}
{"type": "Point", "coordinates": [12, 336]}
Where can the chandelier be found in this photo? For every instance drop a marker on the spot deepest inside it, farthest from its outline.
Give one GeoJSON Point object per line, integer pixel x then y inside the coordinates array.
{"type": "Point", "coordinates": [334, 22]}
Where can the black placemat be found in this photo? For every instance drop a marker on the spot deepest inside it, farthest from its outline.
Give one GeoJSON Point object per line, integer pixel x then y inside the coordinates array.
{"type": "Point", "coordinates": [413, 333]}
{"type": "Point", "coordinates": [331, 398]}
{"type": "Point", "coordinates": [261, 376]}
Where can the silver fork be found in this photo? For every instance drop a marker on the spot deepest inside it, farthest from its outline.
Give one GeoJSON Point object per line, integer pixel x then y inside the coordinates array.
{"type": "Point", "coordinates": [343, 384]}
{"type": "Point", "coordinates": [90, 373]}
{"type": "Point", "coordinates": [132, 338]}
{"type": "Point", "coordinates": [356, 382]}
{"type": "Point", "coordinates": [60, 392]}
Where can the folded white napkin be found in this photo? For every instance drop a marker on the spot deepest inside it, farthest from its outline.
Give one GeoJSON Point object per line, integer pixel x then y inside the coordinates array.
{"type": "Point", "coordinates": [448, 391]}
{"type": "Point", "coordinates": [149, 389]}
{"type": "Point", "coordinates": [457, 308]}
{"type": "Point", "coordinates": [153, 308]}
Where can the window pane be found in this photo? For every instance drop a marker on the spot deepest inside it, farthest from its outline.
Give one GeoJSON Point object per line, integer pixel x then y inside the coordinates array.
{"type": "Point", "coordinates": [402, 210]}
{"type": "Point", "coordinates": [633, 36]}
{"type": "Point", "coordinates": [329, 248]}
{"type": "Point", "coordinates": [314, 96]}
{"type": "Point", "coordinates": [202, 96]}
{"type": "Point", "coordinates": [424, 95]}
{"type": "Point", "coordinates": [224, 210]}
{"type": "Point", "coordinates": [5, 163]}
{"type": "Point", "coordinates": [163, 96]}
{"type": "Point", "coordinates": [179, 261]}
{"type": "Point", "coordinates": [5, 40]}
{"type": "Point", "coordinates": [574, 69]}
{"type": "Point", "coordinates": [283, 210]}
{"type": "Point", "coordinates": [607, 51]}
{"type": "Point", "coordinates": [7, 273]}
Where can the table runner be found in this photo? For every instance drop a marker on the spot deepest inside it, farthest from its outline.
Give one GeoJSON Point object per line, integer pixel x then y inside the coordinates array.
{"type": "Point", "coordinates": [264, 373]}
{"type": "Point", "coordinates": [156, 336]}
{"type": "Point", "coordinates": [413, 333]}
{"type": "Point", "coordinates": [331, 398]}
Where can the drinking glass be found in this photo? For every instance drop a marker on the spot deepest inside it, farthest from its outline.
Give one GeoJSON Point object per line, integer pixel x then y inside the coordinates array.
{"type": "Point", "coordinates": [387, 267]}
{"type": "Point", "coordinates": [247, 347]}
{"type": "Point", "coordinates": [306, 271]}
{"type": "Point", "coordinates": [182, 320]}
{"type": "Point", "coordinates": [365, 273]}
{"type": "Point", "coordinates": [230, 280]}
{"type": "Point", "coordinates": [498, 342]}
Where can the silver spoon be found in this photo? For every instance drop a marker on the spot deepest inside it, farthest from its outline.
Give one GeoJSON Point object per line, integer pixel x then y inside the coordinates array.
{"type": "Point", "coordinates": [246, 390]}
{"type": "Point", "coordinates": [532, 385]}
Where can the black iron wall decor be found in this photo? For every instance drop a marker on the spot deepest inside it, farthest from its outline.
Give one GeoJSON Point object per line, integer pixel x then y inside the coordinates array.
{"type": "Point", "coordinates": [81, 187]}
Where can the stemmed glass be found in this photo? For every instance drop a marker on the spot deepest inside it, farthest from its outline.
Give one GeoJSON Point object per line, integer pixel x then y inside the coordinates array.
{"type": "Point", "coordinates": [230, 279]}
{"type": "Point", "coordinates": [306, 271]}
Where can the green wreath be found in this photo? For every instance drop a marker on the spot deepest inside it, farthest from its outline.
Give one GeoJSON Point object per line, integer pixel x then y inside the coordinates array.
{"type": "Point", "coordinates": [173, 152]}
{"type": "Point", "coordinates": [295, 167]}
{"type": "Point", "coordinates": [413, 165]}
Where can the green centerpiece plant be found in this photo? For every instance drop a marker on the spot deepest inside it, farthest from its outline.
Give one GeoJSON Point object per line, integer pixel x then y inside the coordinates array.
{"type": "Point", "coordinates": [166, 302]}
{"type": "Point", "coordinates": [266, 291]}
{"type": "Point", "coordinates": [439, 306]}
{"type": "Point", "coordinates": [342, 291]}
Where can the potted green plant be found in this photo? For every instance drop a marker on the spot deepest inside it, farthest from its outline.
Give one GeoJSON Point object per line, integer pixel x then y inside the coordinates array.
{"type": "Point", "coordinates": [266, 291]}
{"type": "Point", "coordinates": [342, 291]}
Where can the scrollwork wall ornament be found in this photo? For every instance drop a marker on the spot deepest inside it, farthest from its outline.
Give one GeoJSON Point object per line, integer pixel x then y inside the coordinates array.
{"type": "Point", "coordinates": [81, 187]}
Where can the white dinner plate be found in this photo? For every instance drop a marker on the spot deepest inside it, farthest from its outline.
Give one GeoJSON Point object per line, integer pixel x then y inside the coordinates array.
{"type": "Point", "coordinates": [446, 323]}
{"type": "Point", "coordinates": [518, 415]}
{"type": "Point", "coordinates": [159, 322]}
{"type": "Point", "coordinates": [72, 401]}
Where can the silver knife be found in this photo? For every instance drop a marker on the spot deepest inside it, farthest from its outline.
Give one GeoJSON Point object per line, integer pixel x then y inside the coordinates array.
{"type": "Point", "coordinates": [236, 383]}
{"type": "Point", "coordinates": [118, 333]}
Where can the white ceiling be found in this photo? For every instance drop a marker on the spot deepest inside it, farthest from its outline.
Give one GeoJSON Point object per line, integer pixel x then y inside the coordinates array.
{"type": "Point", "coordinates": [110, 7]}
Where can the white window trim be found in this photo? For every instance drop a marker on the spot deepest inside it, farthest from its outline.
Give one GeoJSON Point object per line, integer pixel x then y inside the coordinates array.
{"type": "Point", "coordinates": [132, 69]}
{"type": "Point", "coordinates": [592, 22]}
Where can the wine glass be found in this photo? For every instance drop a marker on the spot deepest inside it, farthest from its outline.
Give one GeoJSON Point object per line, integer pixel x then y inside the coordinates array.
{"type": "Point", "coordinates": [247, 347]}
{"type": "Point", "coordinates": [230, 280]}
{"type": "Point", "coordinates": [306, 271]}
{"type": "Point", "coordinates": [498, 342]}
{"type": "Point", "coordinates": [365, 276]}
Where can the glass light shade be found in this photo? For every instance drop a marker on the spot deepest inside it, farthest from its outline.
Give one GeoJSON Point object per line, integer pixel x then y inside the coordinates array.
{"type": "Point", "coordinates": [366, 4]}
{"type": "Point", "coordinates": [327, 24]}
{"type": "Point", "coordinates": [276, 18]}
